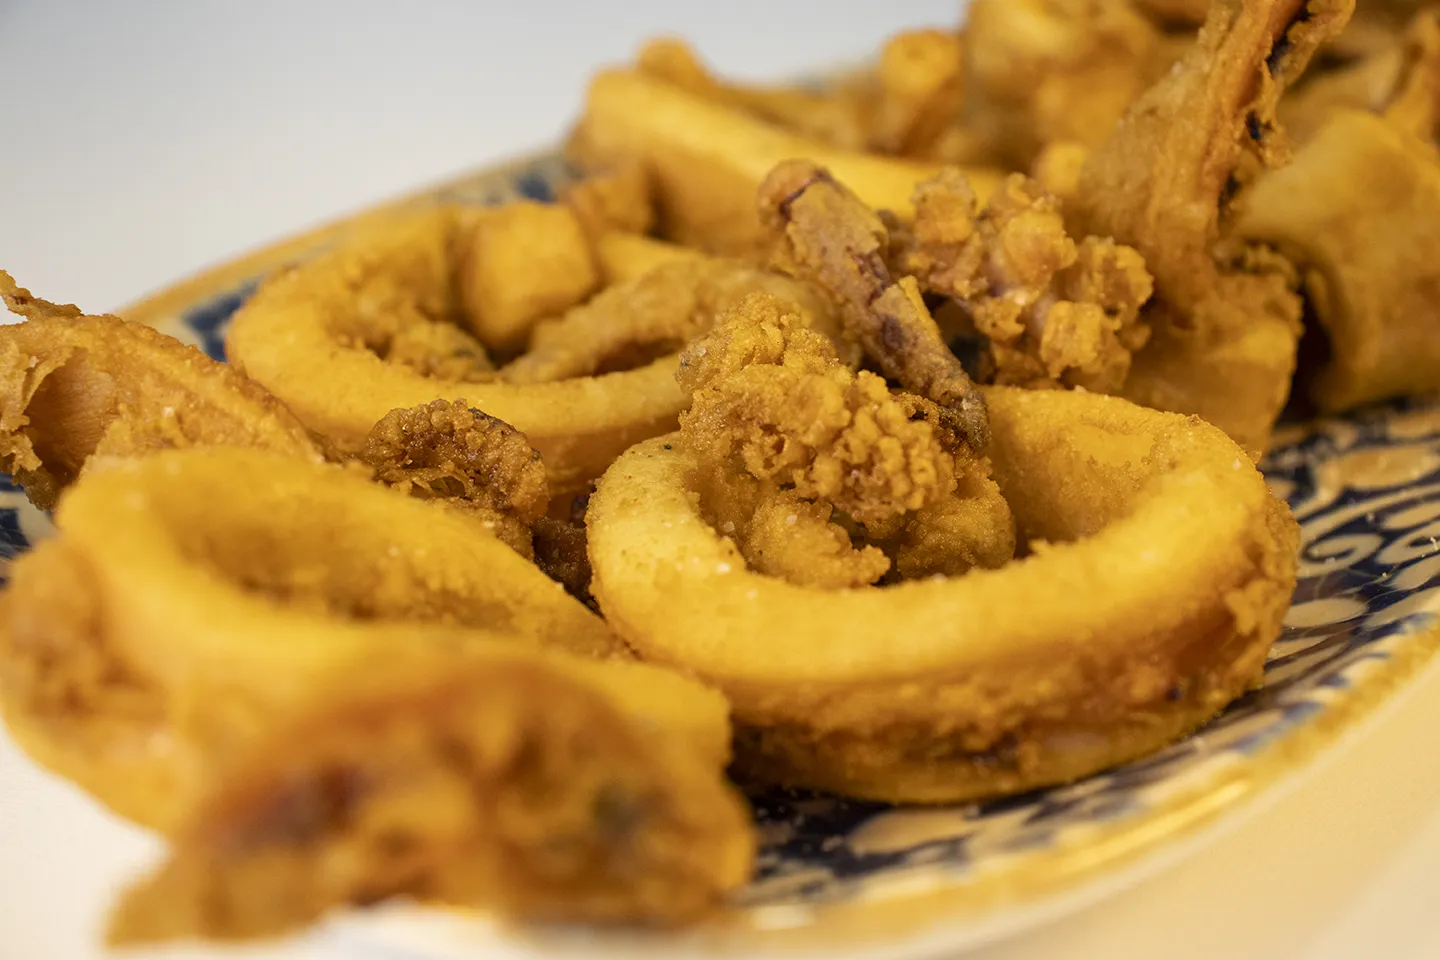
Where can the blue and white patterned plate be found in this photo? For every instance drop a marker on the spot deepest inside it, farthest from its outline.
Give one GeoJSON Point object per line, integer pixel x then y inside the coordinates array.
{"type": "Point", "coordinates": [842, 878]}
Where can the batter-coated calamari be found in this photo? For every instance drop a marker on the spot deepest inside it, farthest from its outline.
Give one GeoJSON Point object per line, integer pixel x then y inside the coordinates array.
{"type": "Point", "coordinates": [1225, 318]}
{"type": "Point", "coordinates": [790, 443]}
{"type": "Point", "coordinates": [73, 387]}
{"type": "Point", "coordinates": [824, 233]}
{"type": "Point", "coordinates": [1167, 569]}
{"type": "Point", "coordinates": [653, 316]}
{"type": "Point", "coordinates": [540, 786]}
{"type": "Point", "coordinates": [1358, 211]}
{"type": "Point", "coordinates": [191, 593]}
{"type": "Point", "coordinates": [320, 336]}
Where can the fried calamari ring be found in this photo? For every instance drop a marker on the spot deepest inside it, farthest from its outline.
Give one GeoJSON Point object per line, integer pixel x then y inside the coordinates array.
{"type": "Point", "coordinates": [317, 337]}
{"type": "Point", "coordinates": [189, 592]}
{"type": "Point", "coordinates": [1160, 570]}
{"type": "Point", "coordinates": [542, 786]}
{"type": "Point", "coordinates": [73, 387]}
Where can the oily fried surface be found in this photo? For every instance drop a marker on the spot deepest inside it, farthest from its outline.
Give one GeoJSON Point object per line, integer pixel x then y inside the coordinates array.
{"type": "Point", "coordinates": [1054, 312]}
{"type": "Point", "coordinates": [1225, 318]}
{"type": "Point", "coordinates": [449, 451]}
{"type": "Point", "coordinates": [561, 548]}
{"type": "Point", "coordinates": [801, 459]}
{"type": "Point", "coordinates": [74, 386]}
{"type": "Point", "coordinates": [825, 234]}
{"type": "Point", "coordinates": [1042, 71]}
{"type": "Point", "coordinates": [635, 322]}
{"type": "Point", "coordinates": [514, 783]}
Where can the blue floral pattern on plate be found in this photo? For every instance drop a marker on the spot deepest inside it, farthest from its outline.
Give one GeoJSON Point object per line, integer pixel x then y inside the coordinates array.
{"type": "Point", "coordinates": [1366, 489]}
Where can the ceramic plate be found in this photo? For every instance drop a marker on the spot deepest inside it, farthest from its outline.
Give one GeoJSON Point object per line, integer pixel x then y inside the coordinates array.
{"type": "Point", "coordinates": [846, 879]}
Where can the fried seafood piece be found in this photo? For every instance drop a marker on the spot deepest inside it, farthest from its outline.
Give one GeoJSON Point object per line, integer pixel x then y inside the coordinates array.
{"type": "Point", "coordinates": [191, 593]}
{"type": "Point", "coordinates": [1225, 318]}
{"type": "Point", "coordinates": [1054, 312]}
{"type": "Point", "coordinates": [628, 256]}
{"type": "Point", "coordinates": [1041, 71]}
{"type": "Point", "coordinates": [1358, 212]}
{"type": "Point", "coordinates": [790, 441]}
{"type": "Point", "coordinates": [522, 261]}
{"type": "Point", "coordinates": [706, 159]}
{"type": "Point", "coordinates": [450, 451]}
{"type": "Point", "coordinates": [824, 233]}
{"type": "Point", "coordinates": [836, 117]}
{"type": "Point", "coordinates": [538, 786]}
{"type": "Point", "coordinates": [612, 199]}
{"type": "Point", "coordinates": [920, 97]}
{"type": "Point", "coordinates": [1168, 569]}
{"type": "Point", "coordinates": [653, 316]}
{"type": "Point", "coordinates": [75, 387]}
{"type": "Point", "coordinates": [321, 337]}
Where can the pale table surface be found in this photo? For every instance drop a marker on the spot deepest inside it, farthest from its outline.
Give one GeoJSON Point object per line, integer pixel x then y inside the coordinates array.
{"type": "Point", "coordinates": [144, 140]}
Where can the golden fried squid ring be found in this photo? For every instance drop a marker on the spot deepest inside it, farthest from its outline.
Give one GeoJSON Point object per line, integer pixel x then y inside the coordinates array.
{"type": "Point", "coordinates": [73, 387]}
{"type": "Point", "coordinates": [707, 159]}
{"type": "Point", "coordinates": [318, 337]}
{"type": "Point", "coordinates": [189, 592]}
{"type": "Point", "coordinates": [541, 786]}
{"type": "Point", "coordinates": [1225, 318]}
{"type": "Point", "coordinates": [1358, 210]}
{"type": "Point", "coordinates": [1159, 573]}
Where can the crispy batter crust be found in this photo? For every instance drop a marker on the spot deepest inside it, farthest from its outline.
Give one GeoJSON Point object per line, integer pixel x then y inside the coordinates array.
{"type": "Point", "coordinates": [1161, 581]}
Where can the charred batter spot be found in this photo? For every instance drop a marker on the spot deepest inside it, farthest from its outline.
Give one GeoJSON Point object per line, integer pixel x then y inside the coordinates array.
{"type": "Point", "coordinates": [303, 811]}
{"type": "Point", "coordinates": [819, 175]}
{"type": "Point", "coordinates": [1284, 45]}
{"type": "Point", "coordinates": [877, 275]}
{"type": "Point", "coordinates": [893, 336]}
{"type": "Point", "coordinates": [1254, 128]}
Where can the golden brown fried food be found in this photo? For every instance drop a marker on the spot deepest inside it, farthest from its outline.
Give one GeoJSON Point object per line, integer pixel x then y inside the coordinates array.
{"type": "Point", "coordinates": [836, 117]}
{"type": "Point", "coordinates": [190, 592]}
{"type": "Point", "coordinates": [707, 159]}
{"type": "Point", "coordinates": [1168, 570]}
{"type": "Point", "coordinates": [522, 261]}
{"type": "Point", "coordinates": [1041, 71]}
{"type": "Point", "coordinates": [627, 256]}
{"type": "Point", "coordinates": [920, 96]}
{"type": "Point", "coordinates": [1358, 211]}
{"type": "Point", "coordinates": [541, 786]}
{"type": "Point", "coordinates": [653, 316]}
{"type": "Point", "coordinates": [785, 435]}
{"type": "Point", "coordinates": [76, 387]}
{"type": "Point", "coordinates": [320, 337]}
{"type": "Point", "coordinates": [615, 199]}
{"type": "Point", "coordinates": [451, 452]}
{"type": "Point", "coordinates": [1053, 312]}
{"type": "Point", "coordinates": [1225, 319]}
{"type": "Point", "coordinates": [824, 233]}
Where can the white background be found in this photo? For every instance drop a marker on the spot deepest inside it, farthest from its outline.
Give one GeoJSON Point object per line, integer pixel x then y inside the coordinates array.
{"type": "Point", "coordinates": [143, 140]}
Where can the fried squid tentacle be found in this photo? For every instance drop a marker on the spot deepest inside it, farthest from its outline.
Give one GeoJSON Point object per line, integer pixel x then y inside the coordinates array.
{"type": "Point", "coordinates": [1053, 312]}
{"type": "Point", "coordinates": [825, 234]}
{"type": "Point", "coordinates": [449, 451]}
{"type": "Point", "coordinates": [639, 321]}
{"type": "Point", "coordinates": [804, 460]}
{"type": "Point", "coordinates": [75, 387]}
{"type": "Point", "coordinates": [512, 781]}
{"type": "Point", "coordinates": [1226, 319]}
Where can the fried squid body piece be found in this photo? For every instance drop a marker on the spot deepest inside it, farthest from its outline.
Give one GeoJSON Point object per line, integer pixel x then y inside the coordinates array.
{"type": "Point", "coordinates": [331, 337]}
{"type": "Point", "coordinates": [75, 387]}
{"type": "Point", "coordinates": [706, 159]}
{"type": "Point", "coordinates": [536, 785]}
{"type": "Point", "coordinates": [819, 474]}
{"type": "Point", "coordinates": [1159, 570]}
{"type": "Point", "coordinates": [1358, 211]}
{"type": "Point", "coordinates": [191, 593]}
{"type": "Point", "coordinates": [1225, 319]}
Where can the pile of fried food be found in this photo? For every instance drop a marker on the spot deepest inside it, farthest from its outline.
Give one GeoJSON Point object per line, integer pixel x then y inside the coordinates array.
{"type": "Point", "coordinates": [510, 537]}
